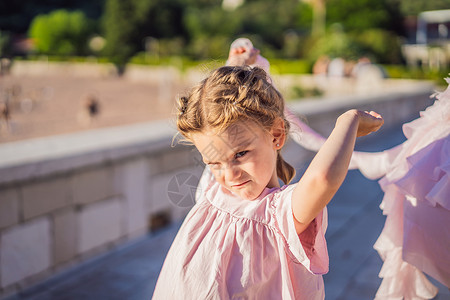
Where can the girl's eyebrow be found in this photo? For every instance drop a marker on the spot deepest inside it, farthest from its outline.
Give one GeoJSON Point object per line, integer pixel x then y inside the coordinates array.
{"type": "Point", "coordinates": [236, 150]}
{"type": "Point", "coordinates": [209, 162]}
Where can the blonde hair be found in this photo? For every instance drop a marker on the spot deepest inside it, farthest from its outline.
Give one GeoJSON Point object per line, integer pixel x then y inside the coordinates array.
{"type": "Point", "coordinates": [232, 94]}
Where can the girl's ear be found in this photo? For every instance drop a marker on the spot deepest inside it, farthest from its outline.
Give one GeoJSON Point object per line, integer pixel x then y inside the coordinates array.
{"type": "Point", "coordinates": [278, 132]}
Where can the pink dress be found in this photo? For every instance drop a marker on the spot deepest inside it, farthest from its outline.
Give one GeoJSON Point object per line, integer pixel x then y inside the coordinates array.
{"type": "Point", "coordinates": [416, 183]}
{"type": "Point", "coordinates": [230, 248]}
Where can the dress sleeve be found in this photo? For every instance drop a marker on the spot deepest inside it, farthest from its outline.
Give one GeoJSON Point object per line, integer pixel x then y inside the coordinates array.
{"type": "Point", "coordinates": [309, 248]}
{"type": "Point", "coordinates": [374, 165]}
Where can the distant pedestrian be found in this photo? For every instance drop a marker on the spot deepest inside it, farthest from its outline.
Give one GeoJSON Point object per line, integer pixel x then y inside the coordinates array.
{"type": "Point", "coordinates": [92, 106]}
{"type": "Point", "coordinates": [5, 115]}
{"type": "Point", "coordinates": [90, 110]}
{"type": "Point", "coordinates": [336, 68]}
{"type": "Point", "coordinates": [320, 67]}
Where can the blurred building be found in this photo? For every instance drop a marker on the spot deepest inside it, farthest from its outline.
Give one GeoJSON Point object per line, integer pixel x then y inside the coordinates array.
{"type": "Point", "coordinates": [431, 48]}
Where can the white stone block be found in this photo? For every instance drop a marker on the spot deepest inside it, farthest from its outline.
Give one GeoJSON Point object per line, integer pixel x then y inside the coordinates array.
{"type": "Point", "coordinates": [92, 185]}
{"type": "Point", "coordinates": [174, 190]}
{"type": "Point", "coordinates": [25, 251]}
{"type": "Point", "coordinates": [45, 196]}
{"type": "Point", "coordinates": [64, 236]}
{"type": "Point", "coordinates": [99, 223]}
{"type": "Point", "coordinates": [131, 181]}
{"type": "Point", "coordinates": [9, 207]}
{"type": "Point", "coordinates": [159, 200]}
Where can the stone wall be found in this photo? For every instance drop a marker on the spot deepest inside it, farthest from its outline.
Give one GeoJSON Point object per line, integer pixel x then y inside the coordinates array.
{"type": "Point", "coordinates": [65, 199]}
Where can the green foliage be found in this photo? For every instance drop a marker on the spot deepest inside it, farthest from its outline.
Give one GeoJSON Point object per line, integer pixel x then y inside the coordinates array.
{"type": "Point", "coordinates": [209, 22]}
{"type": "Point", "coordinates": [127, 23]}
{"type": "Point", "coordinates": [383, 46]}
{"type": "Point", "coordinates": [207, 47]}
{"type": "Point", "coordinates": [283, 66]}
{"type": "Point", "coordinates": [5, 42]}
{"type": "Point", "coordinates": [271, 19]}
{"type": "Point", "coordinates": [298, 92]}
{"type": "Point", "coordinates": [277, 29]}
{"type": "Point", "coordinates": [16, 16]}
{"type": "Point", "coordinates": [159, 18]}
{"type": "Point", "coordinates": [413, 8]}
{"type": "Point", "coordinates": [202, 29]}
{"type": "Point", "coordinates": [72, 59]}
{"type": "Point", "coordinates": [379, 45]}
{"type": "Point", "coordinates": [119, 27]}
{"type": "Point", "coordinates": [336, 43]}
{"type": "Point", "coordinates": [406, 72]}
{"type": "Point", "coordinates": [61, 33]}
{"type": "Point", "coordinates": [362, 15]}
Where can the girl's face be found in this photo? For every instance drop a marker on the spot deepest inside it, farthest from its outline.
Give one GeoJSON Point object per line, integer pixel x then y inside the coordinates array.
{"type": "Point", "coordinates": [243, 157]}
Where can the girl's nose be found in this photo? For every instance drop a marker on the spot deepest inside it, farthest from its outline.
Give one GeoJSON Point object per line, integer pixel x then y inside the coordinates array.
{"type": "Point", "coordinates": [232, 173]}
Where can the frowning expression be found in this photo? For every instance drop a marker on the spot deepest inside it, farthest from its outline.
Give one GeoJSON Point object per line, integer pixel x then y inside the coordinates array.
{"type": "Point", "coordinates": [242, 157]}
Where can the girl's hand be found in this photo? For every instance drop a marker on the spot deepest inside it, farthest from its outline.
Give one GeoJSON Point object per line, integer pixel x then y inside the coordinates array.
{"type": "Point", "coordinates": [368, 122]}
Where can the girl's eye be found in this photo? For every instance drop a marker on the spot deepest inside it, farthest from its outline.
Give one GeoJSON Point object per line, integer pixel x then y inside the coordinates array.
{"type": "Point", "coordinates": [240, 154]}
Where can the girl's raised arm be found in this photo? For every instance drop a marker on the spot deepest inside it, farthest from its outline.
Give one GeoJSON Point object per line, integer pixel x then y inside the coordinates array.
{"type": "Point", "coordinates": [329, 167]}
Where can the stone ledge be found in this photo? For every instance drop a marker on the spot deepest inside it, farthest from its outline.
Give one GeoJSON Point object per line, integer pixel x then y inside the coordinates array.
{"type": "Point", "coordinates": [405, 88]}
{"type": "Point", "coordinates": [39, 157]}
{"type": "Point", "coordinates": [30, 159]}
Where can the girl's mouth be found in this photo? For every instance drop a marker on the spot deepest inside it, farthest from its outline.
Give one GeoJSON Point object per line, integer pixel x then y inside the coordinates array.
{"type": "Point", "coordinates": [240, 184]}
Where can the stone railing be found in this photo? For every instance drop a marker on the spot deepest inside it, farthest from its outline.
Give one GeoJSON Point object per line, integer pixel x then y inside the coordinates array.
{"type": "Point", "coordinates": [64, 199]}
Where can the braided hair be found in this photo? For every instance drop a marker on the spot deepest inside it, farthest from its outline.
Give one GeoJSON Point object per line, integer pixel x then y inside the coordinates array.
{"type": "Point", "coordinates": [232, 94]}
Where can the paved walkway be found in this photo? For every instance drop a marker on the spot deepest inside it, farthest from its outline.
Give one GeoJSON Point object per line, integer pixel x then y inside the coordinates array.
{"type": "Point", "coordinates": [355, 221]}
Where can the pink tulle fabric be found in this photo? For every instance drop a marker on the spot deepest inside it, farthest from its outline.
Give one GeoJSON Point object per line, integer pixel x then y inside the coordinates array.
{"type": "Point", "coordinates": [230, 248]}
{"type": "Point", "coordinates": [416, 183]}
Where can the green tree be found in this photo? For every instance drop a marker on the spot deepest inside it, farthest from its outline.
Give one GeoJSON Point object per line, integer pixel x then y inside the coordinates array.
{"type": "Point", "coordinates": [160, 18]}
{"type": "Point", "coordinates": [61, 33]}
{"type": "Point", "coordinates": [127, 23]}
{"type": "Point", "coordinates": [413, 8]}
{"type": "Point", "coordinates": [336, 43]}
{"type": "Point", "coordinates": [4, 43]}
{"type": "Point", "coordinates": [273, 19]}
{"type": "Point", "coordinates": [384, 46]}
{"type": "Point", "coordinates": [119, 26]}
{"type": "Point", "coordinates": [360, 15]}
{"type": "Point", "coordinates": [16, 16]}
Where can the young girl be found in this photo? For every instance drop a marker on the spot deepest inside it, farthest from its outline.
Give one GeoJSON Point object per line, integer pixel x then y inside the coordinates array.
{"type": "Point", "coordinates": [247, 237]}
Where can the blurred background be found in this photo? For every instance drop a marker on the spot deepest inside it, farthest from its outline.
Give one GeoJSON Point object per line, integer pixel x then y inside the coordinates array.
{"type": "Point", "coordinates": [106, 39]}
{"type": "Point", "coordinates": [154, 31]}
{"type": "Point", "coordinates": [87, 94]}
